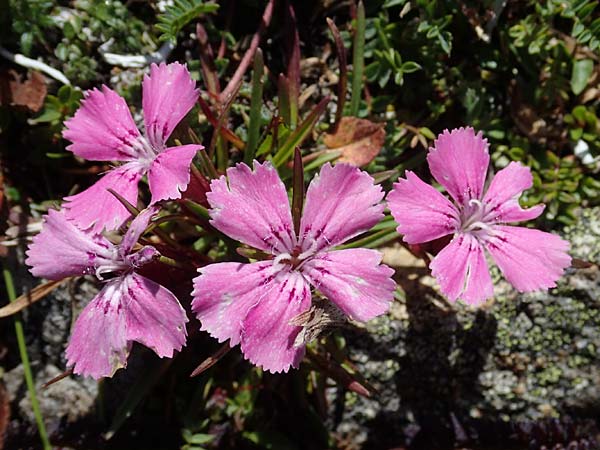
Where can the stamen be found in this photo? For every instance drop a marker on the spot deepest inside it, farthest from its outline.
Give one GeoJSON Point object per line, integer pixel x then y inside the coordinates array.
{"type": "Point", "coordinates": [278, 261]}
{"type": "Point", "coordinates": [474, 201]}
{"type": "Point", "coordinates": [477, 225]}
{"type": "Point", "coordinates": [311, 251]}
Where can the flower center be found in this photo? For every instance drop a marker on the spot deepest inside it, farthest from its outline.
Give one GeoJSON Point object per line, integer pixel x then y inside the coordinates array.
{"type": "Point", "coordinates": [295, 258]}
{"type": "Point", "coordinates": [473, 217]}
{"type": "Point", "coordinates": [145, 151]}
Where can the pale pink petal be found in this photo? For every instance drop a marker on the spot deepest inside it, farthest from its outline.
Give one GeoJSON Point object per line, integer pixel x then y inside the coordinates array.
{"type": "Point", "coordinates": [98, 346]}
{"type": "Point", "coordinates": [97, 208]}
{"type": "Point", "coordinates": [169, 173]}
{"type": "Point", "coordinates": [459, 162]}
{"type": "Point", "coordinates": [154, 316]}
{"type": "Point", "coordinates": [225, 292]}
{"type": "Point", "coordinates": [102, 129]}
{"type": "Point", "coordinates": [502, 197]}
{"type": "Point", "coordinates": [136, 228]}
{"type": "Point", "coordinates": [128, 308]}
{"type": "Point", "coordinates": [253, 208]}
{"type": "Point", "coordinates": [462, 272]}
{"type": "Point", "coordinates": [267, 336]}
{"type": "Point", "coordinates": [354, 280]}
{"type": "Point", "coordinates": [529, 259]}
{"type": "Point", "coordinates": [61, 249]}
{"type": "Point", "coordinates": [341, 203]}
{"type": "Point", "coordinates": [422, 213]}
{"type": "Point", "coordinates": [168, 94]}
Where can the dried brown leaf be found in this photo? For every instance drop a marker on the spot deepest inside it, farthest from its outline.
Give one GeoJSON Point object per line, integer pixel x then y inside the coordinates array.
{"type": "Point", "coordinates": [37, 293]}
{"type": "Point", "coordinates": [359, 140]}
{"type": "Point", "coordinates": [28, 93]}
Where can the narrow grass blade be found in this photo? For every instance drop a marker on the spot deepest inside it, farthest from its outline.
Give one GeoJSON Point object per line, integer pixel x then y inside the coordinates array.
{"type": "Point", "coordinates": [299, 134]}
{"type": "Point", "coordinates": [35, 406]}
{"type": "Point", "coordinates": [283, 94]}
{"type": "Point", "coordinates": [255, 108]}
{"type": "Point", "coordinates": [293, 72]}
{"type": "Point", "coordinates": [358, 60]}
{"type": "Point", "coordinates": [343, 78]}
{"type": "Point", "coordinates": [374, 240]}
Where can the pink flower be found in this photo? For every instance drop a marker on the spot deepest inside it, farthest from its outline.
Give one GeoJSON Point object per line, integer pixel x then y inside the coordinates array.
{"type": "Point", "coordinates": [252, 304]}
{"type": "Point", "coordinates": [129, 307]}
{"type": "Point", "coordinates": [529, 259]}
{"type": "Point", "coordinates": [103, 130]}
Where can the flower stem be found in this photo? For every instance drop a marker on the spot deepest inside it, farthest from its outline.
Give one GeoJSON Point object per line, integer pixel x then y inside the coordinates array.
{"type": "Point", "coordinates": [35, 406]}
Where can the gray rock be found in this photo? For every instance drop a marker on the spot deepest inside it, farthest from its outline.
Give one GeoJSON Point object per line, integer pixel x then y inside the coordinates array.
{"type": "Point", "coordinates": [70, 399]}
{"type": "Point", "coordinates": [521, 357]}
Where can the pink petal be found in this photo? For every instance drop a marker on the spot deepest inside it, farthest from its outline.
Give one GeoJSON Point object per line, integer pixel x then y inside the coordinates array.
{"type": "Point", "coordinates": [136, 228]}
{"type": "Point", "coordinates": [502, 197]}
{"type": "Point", "coordinates": [154, 316]}
{"type": "Point", "coordinates": [459, 162]}
{"type": "Point", "coordinates": [168, 94]}
{"type": "Point", "coordinates": [422, 213]}
{"type": "Point", "coordinates": [341, 203]}
{"type": "Point", "coordinates": [98, 346]}
{"type": "Point", "coordinates": [354, 280]}
{"type": "Point", "coordinates": [529, 259]}
{"type": "Point", "coordinates": [225, 292]}
{"type": "Point", "coordinates": [267, 337]}
{"type": "Point", "coordinates": [254, 208]}
{"type": "Point", "coordinates": [128, 308]}
{"type": "Point", "coordinates": [61, 249]}
{"type": "Point", "coordinates": [102, 129]}
{"type": "Point", "coordinates": [97, 208]}
{"type": "Point", "coordinates": [461, 270]}
{"type": "Point", "coordinates": [169, 173]}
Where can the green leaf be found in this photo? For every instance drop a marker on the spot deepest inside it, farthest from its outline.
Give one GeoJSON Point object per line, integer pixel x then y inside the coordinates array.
{"type": "Point", "coordinates": [296, 138]}
{"type": "Point", "coordinates": [255, 108]}
{"type": "Point", "coordinates": [196, 438]}
{"type": "Point", "coordinates": [47, 115]}
{"type": "Point", "coordinates": [179, 15]}
{"type": "Point", "coordinates": [358, 60]}
{"type": "Point", "coordinates": [410, 66]}
{"type": "Point", "coordinates": [582, 70]}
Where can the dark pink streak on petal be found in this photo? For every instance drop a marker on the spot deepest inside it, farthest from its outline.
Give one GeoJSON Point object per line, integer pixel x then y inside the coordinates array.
{"type": "Point", "coordinates": [253, 208]}
{"type": "Point", "coordinates": [422, 213]}
{"type": "Point", "coordinates": [354, 280]}
{"type": "Point", "coordinates": [224, 293]}
{"type": "Point", "coordinates": [98, 346]}
{"type": "Point", "coordinates": [267, 337]}
{"type": "Point", "coordinates": [501, 200]}
{"type": "Point", "coordinates": [61, 249]}
{"type": "Point", "coordinates": [169, 173]}
{"type": "Point", "coordinates": [341, 203]}
{"type": "Point", "coordinates": [154, 316]}
{"type": "Point", "coordinates": [168, 94]}
{"type": "Point", "coordinates": [529, 259]}
{"type": "Point", "coordinates": [462, 272]}
{"type": "Point", "coordinates": [459, 162]}
{"type": "Point", "coordinates": [102, 129]}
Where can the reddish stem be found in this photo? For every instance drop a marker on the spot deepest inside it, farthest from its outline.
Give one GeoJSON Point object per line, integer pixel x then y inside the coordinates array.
{"type": "Point", "coordinates": [236, 79]}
